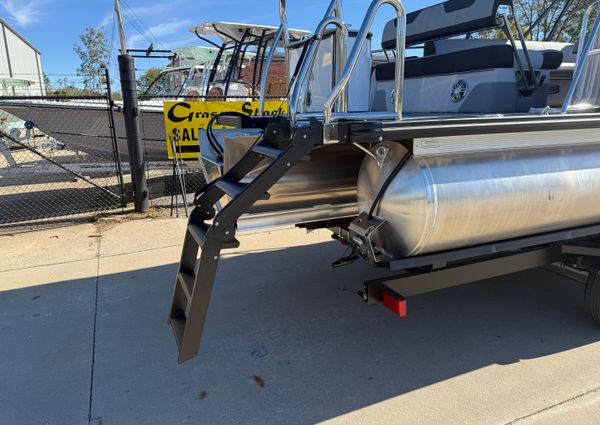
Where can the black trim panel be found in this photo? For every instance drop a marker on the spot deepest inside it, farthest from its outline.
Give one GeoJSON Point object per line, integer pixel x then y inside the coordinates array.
{"type": "Point", "coordinates": [447, 126]}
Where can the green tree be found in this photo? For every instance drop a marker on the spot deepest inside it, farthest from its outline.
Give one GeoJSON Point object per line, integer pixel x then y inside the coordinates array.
{"type": "Point", "coordinates": [93, 53]}
{"type": "Point", "coordinates": [147, 79]}
{"type": "Point", "coordinates": [47, 82]}
{"type": "Point", "coordinates": [566, 27]}
{"type": "Point", "coordinates": [551, 26]}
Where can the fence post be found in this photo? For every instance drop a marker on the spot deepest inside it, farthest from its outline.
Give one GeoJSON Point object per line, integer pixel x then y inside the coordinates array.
{"type": "Point", "coordinates": [131, 113]}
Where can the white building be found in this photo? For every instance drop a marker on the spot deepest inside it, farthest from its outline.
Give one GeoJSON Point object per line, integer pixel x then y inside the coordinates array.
{"type": "Point", "coordinates": [20, 65]}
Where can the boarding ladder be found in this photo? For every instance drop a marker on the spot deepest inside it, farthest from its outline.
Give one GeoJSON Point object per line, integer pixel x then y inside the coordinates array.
{"type": "Point", "coordinates": [284, 143]}
{"type": "Point", "coordinates": [195, 277]}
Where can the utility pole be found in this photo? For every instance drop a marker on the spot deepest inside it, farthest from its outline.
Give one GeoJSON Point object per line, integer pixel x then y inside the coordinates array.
{"type": "Point", "coordinates": [131, 113]}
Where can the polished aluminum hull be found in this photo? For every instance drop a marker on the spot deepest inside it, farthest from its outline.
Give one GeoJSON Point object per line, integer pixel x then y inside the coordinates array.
{"type": "Point", "coordinates": [441, 201]}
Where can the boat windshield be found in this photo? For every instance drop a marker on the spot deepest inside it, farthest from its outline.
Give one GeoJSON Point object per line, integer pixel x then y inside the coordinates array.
{"type": "Point", "coordinates": [169, 83]}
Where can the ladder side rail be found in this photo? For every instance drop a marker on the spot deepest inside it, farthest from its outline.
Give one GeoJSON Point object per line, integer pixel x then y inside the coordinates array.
{"type": "Point", "coordinates": [359, 45]}
{"type": "Point", "coordinates": [244, 166]}
{"type": "Point", "coordinates": [301, 146]}
{"type": "Point", "coordinates": [200, 298]}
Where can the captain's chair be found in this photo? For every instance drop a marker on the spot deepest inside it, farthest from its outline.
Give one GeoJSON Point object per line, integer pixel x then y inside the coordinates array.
{"type": "Point", "coordinates": [466, 75]}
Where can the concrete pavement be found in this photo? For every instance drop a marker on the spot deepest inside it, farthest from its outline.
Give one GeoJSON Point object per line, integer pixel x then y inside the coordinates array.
{"type": "Point", "coordinates": [84, 339]}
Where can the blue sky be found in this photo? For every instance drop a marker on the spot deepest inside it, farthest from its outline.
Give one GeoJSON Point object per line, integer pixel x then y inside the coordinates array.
{"type": "Point", "coordinates": [53, 26]}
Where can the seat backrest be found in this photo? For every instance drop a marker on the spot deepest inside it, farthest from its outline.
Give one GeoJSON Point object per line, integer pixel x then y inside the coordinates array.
{"type": "Point", "coordinates": [447, 19]}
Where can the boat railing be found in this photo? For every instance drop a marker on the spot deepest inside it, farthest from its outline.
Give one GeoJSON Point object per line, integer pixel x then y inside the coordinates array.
{"type": "Point", "coordinates": [297, 104]}
{"type": "Point", "coordinates": [359, 44]}
{"type": "Point", "coordinates": [584, 28]}
{"type": "Point", "coordinates": [585, 87]}
{"type": "Point", "coordinates": [299, 85]}
{"type": "Point", "coordinates": [283, 35]}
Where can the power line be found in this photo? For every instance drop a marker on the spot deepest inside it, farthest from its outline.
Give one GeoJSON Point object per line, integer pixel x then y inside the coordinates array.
{"type": "Point", "coordinates": [144, 28]}
{"type": "Point", "coordinates": [112, 41]}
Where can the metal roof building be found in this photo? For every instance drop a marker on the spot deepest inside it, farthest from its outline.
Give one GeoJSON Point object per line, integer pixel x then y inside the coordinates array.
{"type": "Point", "coordinates": [20, 65]}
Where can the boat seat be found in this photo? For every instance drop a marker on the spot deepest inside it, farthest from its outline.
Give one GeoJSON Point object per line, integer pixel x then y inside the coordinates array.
{"type": "Point", "coordinates": [462, 75]}
{"type": "Point", "coordinates": [447, 19]}
{"type": "Point", "coordinates": [483, 79]}
{"type": "Point", "coordinates": [544, 55]}
{"type": "Point", "coordinates": [477, 59]}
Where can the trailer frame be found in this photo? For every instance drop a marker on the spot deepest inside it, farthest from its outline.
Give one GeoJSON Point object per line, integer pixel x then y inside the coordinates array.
{"type": "Point", "coordinates": [577, 249]}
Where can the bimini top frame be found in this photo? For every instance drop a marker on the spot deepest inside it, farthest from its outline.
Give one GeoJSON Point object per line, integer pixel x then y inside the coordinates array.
{"type": "Point", "coordinates": [231, 32]}
{"type": "Point", "coordinates": [236, 38]}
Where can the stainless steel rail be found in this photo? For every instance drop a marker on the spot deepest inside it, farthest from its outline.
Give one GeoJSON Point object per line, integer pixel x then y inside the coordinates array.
{"type": "Point", "coordinates": [359, 44]}
{"type": "Point", "coordinates": [583, 53]}
{"type": "Point", "coordinates": [282, 33]}
{"type": "Point", "coordinates": [334, 9]}
{"type": "Point", "coordinates": [341, 52]}
{"type": "Point", "coordinates": [584, 26]}
{"type": "Point", "coordinates": [297, 104]}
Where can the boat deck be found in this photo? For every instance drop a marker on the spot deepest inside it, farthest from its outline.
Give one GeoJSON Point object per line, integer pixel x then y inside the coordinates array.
{"type": "Point", "coordinates": [426, 126]}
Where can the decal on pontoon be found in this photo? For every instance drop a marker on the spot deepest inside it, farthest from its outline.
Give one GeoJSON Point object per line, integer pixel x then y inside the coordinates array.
{"type": "Point", "coordinates": [459, 91]}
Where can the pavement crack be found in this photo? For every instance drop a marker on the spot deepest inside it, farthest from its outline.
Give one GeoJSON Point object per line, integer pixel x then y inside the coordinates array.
{"type": "Point", "coordinates": [546, 409]}
{"type": "Point", "coordinates": [93, 363]}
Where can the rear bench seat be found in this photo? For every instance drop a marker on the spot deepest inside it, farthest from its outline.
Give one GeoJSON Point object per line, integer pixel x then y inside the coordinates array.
{"type": "Point", "coordinates": [474, 59]}
{"type": "Point", "coordinates": [478, 67]}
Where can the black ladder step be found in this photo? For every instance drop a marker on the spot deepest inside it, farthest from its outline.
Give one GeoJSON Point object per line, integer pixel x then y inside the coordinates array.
{"type": "Point", "coordinates": [267, 151]}
{"type": "Point", "coordinates": [198, 232]}
{"type": "Point", "coordinates": [233, 189]}
{"type": "Point", "coordinates": [186, 280]}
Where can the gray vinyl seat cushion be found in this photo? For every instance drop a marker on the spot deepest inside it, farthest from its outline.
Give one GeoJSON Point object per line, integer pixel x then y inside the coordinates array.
{"type": "Point", "coordinates": [468, 60]}
{"type": "Point", "coordinates": [446, 19]}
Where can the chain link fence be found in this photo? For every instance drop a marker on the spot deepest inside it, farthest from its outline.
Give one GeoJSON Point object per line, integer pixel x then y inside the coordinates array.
{"type": "Point", "coordinates": [57, 159]}
{"type": "Point", "coordinates": [63, 157]}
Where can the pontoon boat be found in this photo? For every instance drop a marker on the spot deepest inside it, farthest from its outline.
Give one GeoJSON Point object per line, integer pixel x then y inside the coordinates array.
{"type": "Point", "coordinates": [476, 159]}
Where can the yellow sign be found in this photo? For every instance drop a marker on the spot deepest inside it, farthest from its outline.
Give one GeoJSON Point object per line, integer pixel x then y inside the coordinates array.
{"type": "Point", "coordinates": [183, 120]}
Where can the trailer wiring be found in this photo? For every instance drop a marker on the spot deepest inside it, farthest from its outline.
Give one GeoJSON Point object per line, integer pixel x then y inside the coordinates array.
{"type": "Point", "coordinates": [246, 123]}
{"type": "Point", "coordinates": [388, 181]}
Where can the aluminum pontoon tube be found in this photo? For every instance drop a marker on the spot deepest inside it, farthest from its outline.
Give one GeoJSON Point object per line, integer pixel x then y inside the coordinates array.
{"type": "Point", "coordinates": [442, 202]}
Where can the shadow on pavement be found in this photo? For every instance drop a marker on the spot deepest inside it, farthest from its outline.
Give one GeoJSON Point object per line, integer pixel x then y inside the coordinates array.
{"type": "Point", "coordinates": [285, 319]}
